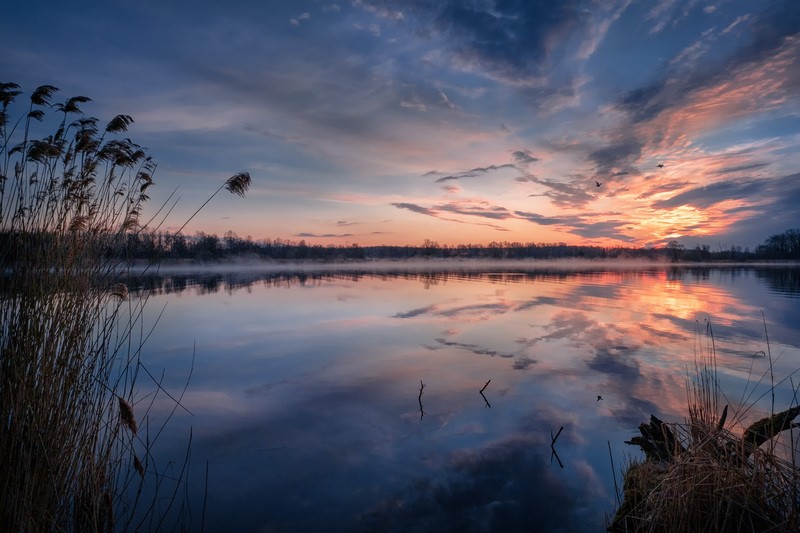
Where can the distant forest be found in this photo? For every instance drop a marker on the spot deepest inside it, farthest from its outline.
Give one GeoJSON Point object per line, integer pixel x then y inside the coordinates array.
{"type": "Point", "coordinates": [204, 247]}
{"type": "Point", "coordinates": [210, 247]}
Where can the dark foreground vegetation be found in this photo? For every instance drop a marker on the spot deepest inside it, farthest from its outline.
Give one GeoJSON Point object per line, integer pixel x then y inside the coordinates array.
{"type": "Point", "coordinates": [75, 439]}
{"type": "Point", "coordinates": [211, 247]}
{"type": "Point", "coordinates": [715, 472]}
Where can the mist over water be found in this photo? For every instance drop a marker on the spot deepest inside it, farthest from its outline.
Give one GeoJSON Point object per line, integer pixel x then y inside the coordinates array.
{"type": "Point", "coordinates": [350, 400]}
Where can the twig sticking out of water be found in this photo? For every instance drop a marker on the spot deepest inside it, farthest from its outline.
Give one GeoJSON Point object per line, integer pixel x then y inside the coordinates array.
{"type": "Point", "coordinates": [421, 410]}
{"type": "Point", "coordinates": [553, 452]}
{"type": "Point", "coordinates": [553, 443]}
{"type": "Point", "coordinates": [482, 395]}
{"type": "Point", "coordinates": [485, 400]}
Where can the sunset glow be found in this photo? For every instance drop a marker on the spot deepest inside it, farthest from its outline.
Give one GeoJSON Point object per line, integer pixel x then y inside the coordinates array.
{"type": "Point", "coordinates": [395, 121]}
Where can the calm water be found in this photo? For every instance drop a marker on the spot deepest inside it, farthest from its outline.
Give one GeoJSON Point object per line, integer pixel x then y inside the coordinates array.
{"type": "Point", "coordinates": [306, 398]}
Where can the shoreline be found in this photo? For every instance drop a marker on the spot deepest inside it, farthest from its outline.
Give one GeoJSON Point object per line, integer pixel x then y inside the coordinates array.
{"type": "Point", "coordinates": [422, 265]}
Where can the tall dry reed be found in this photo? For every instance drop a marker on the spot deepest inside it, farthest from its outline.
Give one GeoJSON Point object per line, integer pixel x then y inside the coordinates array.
{"type": "Point", "coordinates": [71, 445]}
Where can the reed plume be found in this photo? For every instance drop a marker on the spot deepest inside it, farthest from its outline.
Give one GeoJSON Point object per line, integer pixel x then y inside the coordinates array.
{"type": "Point", "coordinates": [120, 290]}
{"type": "Point", "coordinates": [126, 414]}
{"type": "Point", "coordinates": [238, 183]}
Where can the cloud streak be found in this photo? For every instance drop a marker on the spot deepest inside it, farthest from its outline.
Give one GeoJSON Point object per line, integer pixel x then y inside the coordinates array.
{"type": "Point", "coordinates": [467, 209]}
{"type": "Point", "coordinates": [474, 172]}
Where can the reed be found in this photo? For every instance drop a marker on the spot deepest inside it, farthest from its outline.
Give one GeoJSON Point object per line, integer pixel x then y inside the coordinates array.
{"type": "Point", "coordinates": [70, 336]}
{"type": "Point", "coordinates": [711, 473]}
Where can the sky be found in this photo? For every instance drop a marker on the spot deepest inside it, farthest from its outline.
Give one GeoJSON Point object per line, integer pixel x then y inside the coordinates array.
{"type": "Point", "coordinates": [613, 123]}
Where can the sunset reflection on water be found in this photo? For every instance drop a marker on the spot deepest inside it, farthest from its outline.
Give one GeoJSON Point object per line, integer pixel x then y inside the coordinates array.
{"type": "Point", "coordinates": [306, 386]}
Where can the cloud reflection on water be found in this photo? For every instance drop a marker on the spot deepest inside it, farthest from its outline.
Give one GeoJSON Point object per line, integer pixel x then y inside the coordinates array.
{"type": "Point", "coordinates": [307, 401]}
{"type": "Point", "coordinates": [505, 486]}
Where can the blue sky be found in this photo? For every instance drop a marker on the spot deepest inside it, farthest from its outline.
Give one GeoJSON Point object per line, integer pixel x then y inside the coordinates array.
{"type": "Point", "coordinates": [381, 121]}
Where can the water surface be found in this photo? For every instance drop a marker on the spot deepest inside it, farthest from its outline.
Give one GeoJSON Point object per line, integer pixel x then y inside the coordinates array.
{"type": "Point", "coordinates": [347, 401]}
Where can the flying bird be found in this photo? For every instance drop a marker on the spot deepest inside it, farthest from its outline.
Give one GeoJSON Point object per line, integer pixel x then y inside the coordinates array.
{"type": "Point", "coordinates": [598, 183]}
{"type": "Point", "coordinates": [598, 399]}
{"type": "Point", "coordinates": [661, 165]}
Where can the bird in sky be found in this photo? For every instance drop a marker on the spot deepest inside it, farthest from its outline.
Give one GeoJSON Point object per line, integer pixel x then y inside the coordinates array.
{"type": "Point", "coordinates": [598, 399]}
{"type": "Point", "coordinates": [598, 183]}
{"type": "Point", "coordinates": [661, 165]}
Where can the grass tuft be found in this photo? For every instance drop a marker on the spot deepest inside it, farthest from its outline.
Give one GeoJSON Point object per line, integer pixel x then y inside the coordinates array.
{"type": "Point", "coordinates": [700, 476]}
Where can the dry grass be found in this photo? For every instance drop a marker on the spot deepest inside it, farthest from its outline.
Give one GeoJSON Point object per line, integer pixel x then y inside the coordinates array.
{"type": "Point", "coordinates": [699, 490]}
{"type": "Point", "coordinates": [70, 337]}
{"type": "Point", "coordinates": [710, 478]}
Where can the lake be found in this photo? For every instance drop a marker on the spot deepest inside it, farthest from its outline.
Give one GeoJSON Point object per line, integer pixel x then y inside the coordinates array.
{"type": "Point", "coordinates": [401, 398]}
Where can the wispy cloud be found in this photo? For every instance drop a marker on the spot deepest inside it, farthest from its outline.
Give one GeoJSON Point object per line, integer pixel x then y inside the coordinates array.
{"type": "Point", "coordinates": [741, 168]}
{"type": "Point", "coordinates": [708, 195]}
{"type": "Point", "coordinates": [608, 229]}
{"type": "Point", "coordinates": [569, 195]}
{"type": "Point", "coordinates": [598, 29]}
{"type": "Point", "coordinates": [547, 221]}
{"type": "Point", "coordinates": [755, 71]}
{"type": "Point", "coordinates": [524, 157]}
{"type": "Point", "coordinates": [380, 9]}
{"type": "Point", "coordinates": [415, 208]}
{"type": "Point", "coordinates": [474, 172]}
{"type": "Point", "coordinates": [661, 15]}
{"type": "Point", "coordinates": [590, 226]}
{"type": "Point", "coordinates": [662, 188]}
{"type": "Point", "coordinates": [481, 210]}
{"type": "Point", "coordinates": [296, 20]}
{"type": "Point", "coordinates": [739, 20]}
{"type": "Point", "coordinates": [470, 209]}
{"type": "Point", "coordinates": [508, 42]}
{"type": "Point", "coordinates": [324, 235]}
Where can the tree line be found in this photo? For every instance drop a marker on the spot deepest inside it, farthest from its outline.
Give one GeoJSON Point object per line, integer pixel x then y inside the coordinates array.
{"type": "Point", "coordinates": [211, 247]}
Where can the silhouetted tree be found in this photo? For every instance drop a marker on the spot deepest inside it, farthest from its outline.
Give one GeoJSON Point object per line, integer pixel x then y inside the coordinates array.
{"type": "Point", "coordinates": [784, 245]}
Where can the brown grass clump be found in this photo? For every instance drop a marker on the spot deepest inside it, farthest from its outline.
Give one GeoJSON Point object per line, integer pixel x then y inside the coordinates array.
{"type": "Point", "coordinates": [699, 476]}
{"type": "Point", "coordinates": [699, 490]}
